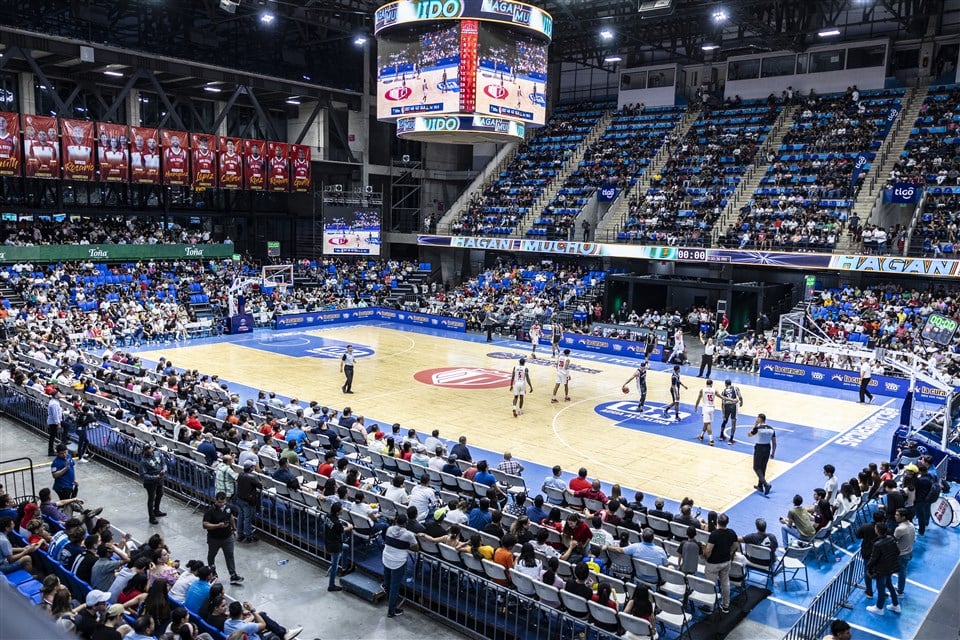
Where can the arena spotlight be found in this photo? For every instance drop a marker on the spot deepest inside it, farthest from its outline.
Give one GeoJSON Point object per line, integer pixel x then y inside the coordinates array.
{"type": "Point", "coordinates": [827, 33]}
{"type": "Point", "coordinates": [720, 16]}
{"type": "Point", "coordinates": [360, 40]}
{"type": "Point", "coordinates": [710, 47]}
{"type": "Point", "coordinates": [606, 34]}
{"type": "Point", "coordinates": [612, 59]}
{"type": "Point", "coordinates": [267, 17]}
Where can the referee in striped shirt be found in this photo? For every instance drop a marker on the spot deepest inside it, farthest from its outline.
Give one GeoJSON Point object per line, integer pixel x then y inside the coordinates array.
{"type": "Point", "coordinates": [763, 451]}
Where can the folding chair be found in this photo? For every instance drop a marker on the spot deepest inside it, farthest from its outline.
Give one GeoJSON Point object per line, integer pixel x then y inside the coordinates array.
{"type": "Point", "coordinates": [794, 562]}
{"type": "Point", "coordinates": [637, 628]}
{"type": "Point", "coordinates": [670, 613]}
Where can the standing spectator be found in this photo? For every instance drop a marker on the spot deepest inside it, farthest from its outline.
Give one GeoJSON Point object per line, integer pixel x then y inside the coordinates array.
{"type": "Point", "coordinates": [333, 531]}
{"type": "Point", "coordinates": [881, 567]}
{"type": "Point", "coordinates": [906, 536]}
{"type": "Point", "coordinates": [221, 527]}
{"type": "Point", "coordinates": [64, 474]}
{"type": "Point", "coordinates": [54, 420]}
{"type": "Point", "coordinates": [868, 535]}
{"type": "Point", "coordinates": [398, 542]}
{"type": "Point", "coordinates": [925, 492]}
{"type": "Point", "coordinates": [152, 471]}
{"type": "Point", "coordinates": [249, 489]}
{"type": "Point", "coordinates": [84, 421]}
{"type": "Point", "coordinates": [225, 478]}
{"type": "Point", "coordinates": [718, 553]}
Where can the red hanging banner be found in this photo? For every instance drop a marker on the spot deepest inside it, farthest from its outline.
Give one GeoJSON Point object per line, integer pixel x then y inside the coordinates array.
{"type": "Point", "coordinates": [300, 167]}
{"type": "Point", "coordinates": [279, 176]}
{"type": "Point", "coordinates": [144, 156]}
{"type": "Point", "coordinates": [231, 163]}
{"type": "Point", "coordinates": [204, 160]}
{"type": "Point", "coordinates": [9, 144]}
{"type": "Point", "coordinates": [112, 152]}
{"type": "Point", "coordinates": [176, 158]}
{"type": "Point", "coordinates": [255, 172]}
{"type": "Point", "coordinates": [41, 150]}
{"type": "Point", "coordinates": [76, 140]}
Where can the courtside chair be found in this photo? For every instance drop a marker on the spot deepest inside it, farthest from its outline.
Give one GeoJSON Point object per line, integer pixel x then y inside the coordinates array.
{"type": "Point", "coordinates": [703, 593]}
{"type": "Point", "coordinates": [602, 614]}
{"type": "Point", "coordinates": [761, 559]}
{"type": "Point", "coordinates": [673, 583]}
{"type": "Point", "coordinates": [637, 628]}
{"type": "Point", "coordinates": [671, 613]}
{"type": "Point", "coordinates": [794, 561]}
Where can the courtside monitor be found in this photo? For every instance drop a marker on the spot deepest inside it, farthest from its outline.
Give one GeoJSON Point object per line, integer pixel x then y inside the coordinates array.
{"type": "Point", "coordinates": [462, 71]}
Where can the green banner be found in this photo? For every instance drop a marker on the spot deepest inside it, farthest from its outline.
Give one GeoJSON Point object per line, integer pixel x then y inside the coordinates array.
{"type": "Point", "coordinates": [114, 252]}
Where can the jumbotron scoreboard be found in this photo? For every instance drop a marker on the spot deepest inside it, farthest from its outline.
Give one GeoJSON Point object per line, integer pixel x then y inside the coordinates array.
{"type": "Point", "coordinates": [462, 71]}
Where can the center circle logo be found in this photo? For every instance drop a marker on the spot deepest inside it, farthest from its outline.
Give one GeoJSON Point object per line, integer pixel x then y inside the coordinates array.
{"type": "Point", "coordinates": [339, 240]}
{"type": "Point", "coordinates": [496, 92]}
{"type": "Point", "coordinates": [398, 93]}
{"type": "Point", "coordinates": [464, 378]}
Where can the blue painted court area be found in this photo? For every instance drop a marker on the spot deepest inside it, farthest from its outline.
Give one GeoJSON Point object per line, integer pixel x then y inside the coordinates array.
{"type": "Point", "coordinates": [806, 448]}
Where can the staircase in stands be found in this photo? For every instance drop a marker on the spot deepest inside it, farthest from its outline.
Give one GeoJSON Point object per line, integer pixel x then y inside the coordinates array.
{"type": "Point", "coordinates": [408, 289]}
{"type": "Point", "coordinates": [754, 174]}
{"type": "Point", "coordinates": [491, 171]}
{"type": "Point", "coordinates": [9, 294]}
{"type": "Point", "coordinates": [571, 165]}
{"type": "Point", "coordinates": [893, 145]}
{"type": "Point", "coordinates": [607, 227]}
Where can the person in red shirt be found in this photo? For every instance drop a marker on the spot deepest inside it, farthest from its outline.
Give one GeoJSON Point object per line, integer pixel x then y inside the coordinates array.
{"type": "Point", "coordinates": [592, 492]}
{"type": "Point", "coordinates": [580, 482]}
{"type": "Point", "coordinates": [576, 529]}
{"type": "Point", "coordinates": [326, 468]}
{"type": "Point", "coordinates": [193, 422]}
{"type": "Point", "coordinates": [504, 556]}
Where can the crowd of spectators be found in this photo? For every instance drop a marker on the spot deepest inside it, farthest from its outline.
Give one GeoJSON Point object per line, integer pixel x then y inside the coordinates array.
{"type": "Point", "coordinates": [805, 198]}
{"type": "Point", "coordinates": [33, 230]}
{"type": "Point", "coordinates": [503, 203]}
{"type": "Point", "coordinates": [616, 160]}
{"type": "Point", "coordinates": [703, 169]}
{"type": "Point", "coordinates": [886, 317]}
{"type": "Point", "coordinates": [930, 158]}
{"type": "Point", "coordinates": [936, 228]}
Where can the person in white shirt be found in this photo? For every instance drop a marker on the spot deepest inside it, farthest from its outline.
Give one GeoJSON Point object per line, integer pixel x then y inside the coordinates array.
{"type": "Point", "coordinates": [396, 493]}
{"type": "Point", "coordinates": [866, 372]}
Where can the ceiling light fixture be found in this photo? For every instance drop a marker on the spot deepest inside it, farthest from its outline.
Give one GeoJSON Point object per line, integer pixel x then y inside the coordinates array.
{"type": "Point", "coordinates": [720, 16]}
{"type": "Point", "coordinates": [115, 74]}
{"type": "Point", "coordinates": [293, 100]}
{"type": "Point", "coordinates": [710, 47]}
{"type": "Point", "coordinates": [212, 89]}
{"type": "Point", "coordinates": [613, 59]}
{"type": "Point", "coordinates": [829, 32]}
{"type": "Point", "coordinates": [360, 41]}
{"type": "Point", "coordinates": [606, 34]}
{"type": "Point", "coordinates": [266, 17]}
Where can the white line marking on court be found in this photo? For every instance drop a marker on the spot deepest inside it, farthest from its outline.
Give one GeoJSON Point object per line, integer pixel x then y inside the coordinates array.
{"type": "Point", "coordinates": [923, 586]}
{"type": "Point", "coordinates": [786, 604]}
{"type": "Point", "coordinates": [872, 632]}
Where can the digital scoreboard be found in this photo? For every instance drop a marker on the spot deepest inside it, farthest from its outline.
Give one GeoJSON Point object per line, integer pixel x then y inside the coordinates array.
{"type": "Point", "coordinates": [462, 71]}
{"type": "Point", "coordinates": [939, 329]}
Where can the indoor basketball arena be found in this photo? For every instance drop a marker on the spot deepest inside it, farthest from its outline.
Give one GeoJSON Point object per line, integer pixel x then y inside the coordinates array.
{"type": "Point", "coordinates": [480, 319]}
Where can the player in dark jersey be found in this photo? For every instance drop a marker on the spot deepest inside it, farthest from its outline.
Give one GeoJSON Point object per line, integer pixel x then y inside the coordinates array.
{"type": "Point", "coordinates": [675, 385]}
{"type": "Point", "coordinates": [731, 399]}
{"type": "Point", "coordinates": [640, 375]}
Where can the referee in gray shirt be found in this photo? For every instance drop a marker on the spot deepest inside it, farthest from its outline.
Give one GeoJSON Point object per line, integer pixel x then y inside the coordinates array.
{"type": "Point", "coordinates": [346, 368]}
{"type": "Point", "coordinates": [763, 451]}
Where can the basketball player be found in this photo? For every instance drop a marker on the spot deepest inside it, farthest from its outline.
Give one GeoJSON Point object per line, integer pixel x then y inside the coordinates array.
{"type": "Point", "coordinates": [443, 82]}
{"type": "Point", "coordinates": [301, 168]}
{"type": "Point", "coordinates": [556, 331]}
{"type": "Point", "coordinates": [640, 375]}
{"type": "Point", "coordinates": [518, 384]}
{"type": "Point", "coordinates": [278, 170]}
{"type": "Point", "coordinates": [346, 368]}
{"type": "Point", "coordinates": [675, 385]}
{"type": "Point", "coordinates": [763, 451]}
{"type": "Point", "coordinates": [255, 177]}
{"type": "Point", "coordinates": [203, 162]}
{"type": "Point", "coordinates": [730, 398]}
{"type": "Point", "coordinates": [79, 152]}
{"type": "Point", "coordinates": [709, 398]}
{"type": "Point", "coordinates": [114, 162]}
{"type": "Point", "coordinates": [535, 333]}
{"type": "Point", "coordinates": [151, 161]}
{"type": "Point", "coordinates": [230, 163]}
{"type": "Point", "coordinates": [563, 376]}
{"type": "Point", "coordinates": [43, 157]}
{"type": "Point", "coordinates": [424, 88]}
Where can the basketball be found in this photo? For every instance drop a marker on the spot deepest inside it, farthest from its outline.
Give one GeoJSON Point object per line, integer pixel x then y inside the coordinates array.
{"type": "Point", "coordinates": [625, 389]}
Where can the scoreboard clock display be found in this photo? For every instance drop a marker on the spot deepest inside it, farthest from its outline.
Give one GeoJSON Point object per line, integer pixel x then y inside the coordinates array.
{"type": "Point", "coordinates": [692, 255]}
{"type": "Point", "coordinates": [939, 329]}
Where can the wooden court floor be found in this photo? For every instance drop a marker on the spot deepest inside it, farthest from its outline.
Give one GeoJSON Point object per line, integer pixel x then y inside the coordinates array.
{"type": "Point", "coordinates": [668, 461]}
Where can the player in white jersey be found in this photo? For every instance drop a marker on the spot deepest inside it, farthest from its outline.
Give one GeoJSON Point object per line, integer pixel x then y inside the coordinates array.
{"type": "Point", "coordinates": [709, 398]}
{"type": "Point", "coordinates": [563, 376]}
{"type": "Point", "coordinates": [535, 333]}
{"type": "Point", "coordinates": [519, 382]}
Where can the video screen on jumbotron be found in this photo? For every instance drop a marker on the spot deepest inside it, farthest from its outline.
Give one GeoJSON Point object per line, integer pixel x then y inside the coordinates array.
{"type": "Point", "coordinates": [351, 230]}
{"type": "Point", "coordinates": [418, 71]}
{"type": "Point", "coordinates": [511, 74]}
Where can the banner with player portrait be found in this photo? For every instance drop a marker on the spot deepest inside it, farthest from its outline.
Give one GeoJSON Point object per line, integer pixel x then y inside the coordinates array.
{"type": "Point", "coordinates": [9, 143]}
{"type": "Point", "coordinates": [176, 158]}
{"type": "Point", "coordinates": [41, 150]}
{"type": "Point", "coordinates": [255, 165]}
{"type": "Point", "coordinates": [76, 141]}
{"type": "Point", "coordinates": [112, 152]}
{"type": "Point", "coordinates": [144, 156]}
{"type": "Point", "coordinates": [230, 163]}
{"type": "Point", "coordinates": [204, 153]}
{"type": "Point", "coordinates": [278, 176]}
{"type": "Point", "coordinates": [300, 168]}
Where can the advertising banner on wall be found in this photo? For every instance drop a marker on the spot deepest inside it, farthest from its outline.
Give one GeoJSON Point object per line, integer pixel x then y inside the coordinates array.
{"type": "Point", "coordinates": [176, 158]}
{"type": "Point", "coordinates": [76, 138]}
{"type": "Point", "coordinates": [112, 152]}
{"type": "Point", "coordinates": [144, 156]}
{"type": "Point", "coordinates": [41, 148]}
